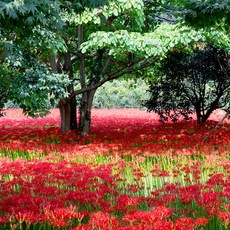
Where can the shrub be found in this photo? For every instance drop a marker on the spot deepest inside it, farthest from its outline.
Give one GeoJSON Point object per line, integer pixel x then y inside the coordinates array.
{"type": "Point", "coordinates": [197, 82]}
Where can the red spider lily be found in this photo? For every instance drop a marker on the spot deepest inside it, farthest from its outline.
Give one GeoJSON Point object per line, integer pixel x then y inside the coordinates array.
{"type": "Point", "coordinates": [189, 193]}
{"type": "Point", "coordinates": [167, 198]}
{"type": "Point", "coordinates": [185, 223]}
{"type": "Point", "coordinates": [25, 217]}
{"type": "Point", "coordinates": [55, 185]}
{"type": "Point", "coordinates": [101, 220]}
{"type": "Point", "coordinates": [2, 219]}
{"type": "Point", "coordinates": [209, 199]}
{"type": "Point", "coordinates": [61, 217]}
{"type": "Point", "coordinates": [126, 204]}
{"type": "Point", "coordinates": [201, 221]}
{"type": "Point", "coordinates": [216, 179]}
{"type": "Point", "coordinates": [225, 218]}
{"type": "Point", "coordinates": [157, 214]}
{"type": "Point", "coordinates": [57, 190]}
{"type": "Point", "coordinates": [160, 173]}
{"type": "Point", "coordinates": [155, 219]}
{"type": "Point", "coordinates": [109, 134]}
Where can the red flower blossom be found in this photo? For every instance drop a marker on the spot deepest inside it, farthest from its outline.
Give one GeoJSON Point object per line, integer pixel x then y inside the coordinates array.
{"type": "Point", "coordinates": [225, 218]}
{"type": "Point", "coordinates": [185, 223]}
{"type": "Point", "coordinates": [101, 220]}
{"type": "Point", "coordinates": [201, 221]}
{"type": "Point", "coordinates": [2, 219]}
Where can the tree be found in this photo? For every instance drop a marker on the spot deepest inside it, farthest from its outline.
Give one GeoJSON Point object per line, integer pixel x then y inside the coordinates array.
{"type": "Point", "coordinates": [204, 13]}
{"type": "Point", "coordinates": [47, 17]}
{"type": "Point", "coordinates": [192, 82]}
{"type": "Point", "coordinates": [69, 50]}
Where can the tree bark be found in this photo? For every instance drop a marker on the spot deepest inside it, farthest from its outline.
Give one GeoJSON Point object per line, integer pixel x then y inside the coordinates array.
{"type": "Point", "coordinates": [68, 114]}
{"type": "Point", "coordinates": [65, 111]}
{"type": "Point", "coordinates": [202, 116]}
{"type": "Point", "coordinates": [198, 113]}
{"type": "Point", "coordinates": [213, 107]}
{"type": "Point", "coordinates": [85, 112]}
{"type": "Point", "coordinates": [67, 106]}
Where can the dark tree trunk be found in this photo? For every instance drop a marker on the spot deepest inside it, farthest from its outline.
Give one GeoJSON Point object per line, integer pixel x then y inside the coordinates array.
{"type": "Point", "coordinates": [67, 106]}
{"type": "Point", "coordinates": [68, 114]}
{"type": "Point", "coordinates": [85, 112]}
{"type": "Point", "coordinates": [206, 114]}
{"type": "Point", "coordinates": [198, 113]}
{"type": "Point", "coordinates": [65, 111]}
{"type": "Point", "coordinates": [73, 114]}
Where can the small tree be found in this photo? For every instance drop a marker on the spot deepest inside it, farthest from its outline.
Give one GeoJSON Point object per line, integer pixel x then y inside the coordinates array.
{"type": "Point", "coordinates": [197, 82]}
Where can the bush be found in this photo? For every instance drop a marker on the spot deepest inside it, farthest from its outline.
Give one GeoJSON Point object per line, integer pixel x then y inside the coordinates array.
{"type": "Point", "coordinates": [197, 82]}
{"type": "Point", "coordinates": [121, 93]}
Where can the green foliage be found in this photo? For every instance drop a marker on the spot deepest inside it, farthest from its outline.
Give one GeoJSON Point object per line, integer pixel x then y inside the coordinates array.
{"type": "Point", "coordinates": [33, 86]}
{"type": "Point", "coordinates": [5, 85]}
{"type": "Point", "coordinates": [158, 43]}
{"type": "Point", "coordinates": [121, 93]}
{"type": "Point", "coordinates": [191, 82]}
{"type": "Point", "coordinates": [119, 11]}
{"type": "Point", "coordinates": [158, 11]}
{"type": "Point", "coordinates": [210, 13]}
{"type": "Point", "coordinates": [19, 13]}
{"type": "Point", "coordinates": [80, 5]}
{"type": "Point", "coordinates": [204, 13]}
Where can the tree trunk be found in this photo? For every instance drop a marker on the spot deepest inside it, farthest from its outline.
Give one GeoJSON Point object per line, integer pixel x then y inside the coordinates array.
{"type": "Point", "coordinates": [207, 115]}
{"type": "Point", "coordinates": [68, 114]}
{"type": "Point", "coordinates": [67, 106]}
{"type": "Point", "coordinates": [213, 107]}
{"type": "Point", "coordinates": [202, 116]}
{"type": "Point", "coordinates": [85, 112]}
{"type": "Point", "coordinates": [198, 114]}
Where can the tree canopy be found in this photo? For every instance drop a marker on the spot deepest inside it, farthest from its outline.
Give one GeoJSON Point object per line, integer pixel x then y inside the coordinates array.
{"type": "Point", "coordinates": [189, 82]}
{"type": "Point", "coordinates": [204, 13]}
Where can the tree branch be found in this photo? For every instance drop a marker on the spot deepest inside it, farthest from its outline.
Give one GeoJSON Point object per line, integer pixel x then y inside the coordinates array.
{"type": "Point", "coordinates": [124, 67]}
{"type": "Point", "coordinates": [116, 74]}
{"type": "Point", "coordinates": [164, 19]}
{"type": "Point", "coordinates": [109, 59]}
{"type": "Point", "coordinates": [218, 124]}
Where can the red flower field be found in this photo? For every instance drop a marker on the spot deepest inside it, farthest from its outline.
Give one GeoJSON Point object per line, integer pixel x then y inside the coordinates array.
{"type": "Point", "coordinates": [130, 172]}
